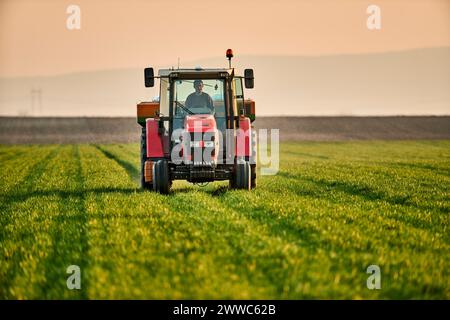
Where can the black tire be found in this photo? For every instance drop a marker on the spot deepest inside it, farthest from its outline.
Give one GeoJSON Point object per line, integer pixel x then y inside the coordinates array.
{"type": "Point", "coordinates": [243, 176]}
{"type": "Point", "coordinates": [253, 176]}
{"type": "Point", "coordinates": [253, 158]}
{"type": "Point", "coordinates": [232, 183]}
{"type": "Point", "coordinates": [161, 179]}
{"type": "Point", "coordinates": [144, 185]}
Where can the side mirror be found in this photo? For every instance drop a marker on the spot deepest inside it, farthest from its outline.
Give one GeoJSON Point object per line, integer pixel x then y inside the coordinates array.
{"type": "Point", "coordinates": [149, 77]}
{"type": "Point", "coordinates": [249, 79]}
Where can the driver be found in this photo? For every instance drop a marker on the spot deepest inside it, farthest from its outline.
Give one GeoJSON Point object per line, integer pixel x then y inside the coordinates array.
{"type": "Point", "coordinates": [199, 99]}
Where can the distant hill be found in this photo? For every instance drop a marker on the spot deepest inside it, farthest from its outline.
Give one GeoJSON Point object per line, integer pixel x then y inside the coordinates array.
{"type": "Point", "coordinates": [414, 82]}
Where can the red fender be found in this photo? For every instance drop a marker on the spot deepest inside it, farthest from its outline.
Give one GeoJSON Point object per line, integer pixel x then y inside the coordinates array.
{"type": "Point", "coordinates": [243, 138]}
{"type": "Point", "coordinates": [154, 140]}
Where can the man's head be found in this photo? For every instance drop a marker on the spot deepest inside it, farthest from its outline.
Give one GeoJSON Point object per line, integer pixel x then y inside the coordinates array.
{"type": "Point", "coordinates": [198, 85]}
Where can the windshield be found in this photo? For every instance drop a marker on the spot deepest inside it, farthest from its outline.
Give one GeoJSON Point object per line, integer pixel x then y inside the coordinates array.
{"type": "Point", "coordinates": [199, 96]}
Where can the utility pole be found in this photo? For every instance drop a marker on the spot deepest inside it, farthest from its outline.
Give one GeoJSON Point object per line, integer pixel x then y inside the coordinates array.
{"type": "Point", "coordinates": [36, 101]}
{"type": "Point", "coordinates": [32, 101]}
{"type": "Point", "coordinates": [39, 96]}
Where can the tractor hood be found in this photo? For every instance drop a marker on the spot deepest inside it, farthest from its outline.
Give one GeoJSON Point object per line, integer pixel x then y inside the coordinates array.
{"type": "Point", "coordinates": [200, 123]}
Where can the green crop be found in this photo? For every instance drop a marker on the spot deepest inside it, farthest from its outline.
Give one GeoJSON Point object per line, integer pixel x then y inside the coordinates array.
{"type": "Point", "coordinates": [310, 231]}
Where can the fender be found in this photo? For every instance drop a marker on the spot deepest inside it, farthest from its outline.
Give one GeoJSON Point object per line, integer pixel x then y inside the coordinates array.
{"type": "Point", "coordinates": [155, 147]}
{"type": "Point", "coordinates": [243, 138]}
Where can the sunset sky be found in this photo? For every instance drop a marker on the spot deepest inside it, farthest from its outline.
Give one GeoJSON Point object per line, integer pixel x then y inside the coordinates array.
{"type": "Point", "coordinates": [34, 40]}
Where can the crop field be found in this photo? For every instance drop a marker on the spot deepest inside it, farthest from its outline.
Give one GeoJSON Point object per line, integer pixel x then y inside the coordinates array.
{"type": "Point", "coordinates": [311, 231]}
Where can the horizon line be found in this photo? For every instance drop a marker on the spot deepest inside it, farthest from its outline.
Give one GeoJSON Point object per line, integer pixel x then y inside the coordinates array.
{"type": "Point", "coordinates": [375, 53]}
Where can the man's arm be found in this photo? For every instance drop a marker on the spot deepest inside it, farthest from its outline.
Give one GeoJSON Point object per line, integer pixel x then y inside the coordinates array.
{"type": "Point", "coordinates": [211, 104]}
{"type": "Point", "coordinates": [188, 101]}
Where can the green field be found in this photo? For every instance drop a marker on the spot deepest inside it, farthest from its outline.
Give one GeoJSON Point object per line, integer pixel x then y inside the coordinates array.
{"type": "Point", "coordinates": [308, 232]}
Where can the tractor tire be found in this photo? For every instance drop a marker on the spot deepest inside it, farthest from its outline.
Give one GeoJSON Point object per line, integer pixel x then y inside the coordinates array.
{"type": "Point", "coordinates": [242, 178]}
{"type": "Point", "coordinates": [161, 179]}
{"type": "Point", "coordinates": [144, 185]}
{"type": "Point", "coordinates": [253, 176]}
{"type": "Point", "coordinates": [254, 157]}
{"type": "Point", "coordinates": [232, 183]}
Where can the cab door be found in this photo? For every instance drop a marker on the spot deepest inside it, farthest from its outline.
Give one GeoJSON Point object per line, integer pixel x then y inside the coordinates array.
{"type": "Point", "coordinates": [238, 96]}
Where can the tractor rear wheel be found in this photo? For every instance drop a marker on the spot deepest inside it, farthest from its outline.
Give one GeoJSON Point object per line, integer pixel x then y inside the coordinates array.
{"type": "Point", "coordinates": [161, 179]}
{"type": "Point", "coordinates": [144, 185]}
{"type": "Point", "coordinates": [242, 177]}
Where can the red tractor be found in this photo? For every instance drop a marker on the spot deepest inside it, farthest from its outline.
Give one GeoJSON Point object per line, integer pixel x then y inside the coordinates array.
{"type": "Point", "coordinates": [199, 130]}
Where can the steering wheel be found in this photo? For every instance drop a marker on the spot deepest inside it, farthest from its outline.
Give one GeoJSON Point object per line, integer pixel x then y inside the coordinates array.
{"type": "Point", "coordinates": [202, 108]}
{"type": "Point", "coordinates": [183, 107]}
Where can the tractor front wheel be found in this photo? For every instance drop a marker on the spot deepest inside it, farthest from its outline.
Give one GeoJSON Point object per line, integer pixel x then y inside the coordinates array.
{"type": "Point", "coordinates": [161, 178]}
{"type": "Point", "coordinates": [242, 176]}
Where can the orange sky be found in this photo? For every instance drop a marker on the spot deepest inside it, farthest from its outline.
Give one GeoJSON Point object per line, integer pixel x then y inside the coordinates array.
{"type": "Point", "coordinates": [135, 33]}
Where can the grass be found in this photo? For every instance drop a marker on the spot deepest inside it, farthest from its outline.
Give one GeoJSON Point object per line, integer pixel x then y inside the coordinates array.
{"type": "Point", "coordinates": [308, 232]}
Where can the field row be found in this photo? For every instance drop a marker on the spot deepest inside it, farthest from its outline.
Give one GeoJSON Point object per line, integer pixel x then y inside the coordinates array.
{"type": "Point", "coordinates": [308, 232]}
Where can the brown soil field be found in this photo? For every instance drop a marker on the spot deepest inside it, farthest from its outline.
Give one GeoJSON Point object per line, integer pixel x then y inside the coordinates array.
{"type": "Point", "coordinates": [16, 130]}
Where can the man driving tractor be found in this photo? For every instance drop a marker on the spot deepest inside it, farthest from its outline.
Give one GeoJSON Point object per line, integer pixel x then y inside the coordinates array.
{"type": "Point", "coordinates": [199, 99]}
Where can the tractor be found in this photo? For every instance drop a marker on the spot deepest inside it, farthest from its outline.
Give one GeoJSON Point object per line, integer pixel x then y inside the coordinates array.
{"type": "Point", "coordinates": [199, 129]}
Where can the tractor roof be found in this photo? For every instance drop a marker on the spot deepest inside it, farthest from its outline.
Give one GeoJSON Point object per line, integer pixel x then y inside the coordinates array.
{"type": "Point", "coordinates": [195, 72]}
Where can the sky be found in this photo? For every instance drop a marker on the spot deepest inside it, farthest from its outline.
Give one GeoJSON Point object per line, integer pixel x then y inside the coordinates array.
{"type": "Point", "coordinates": [116, 34]}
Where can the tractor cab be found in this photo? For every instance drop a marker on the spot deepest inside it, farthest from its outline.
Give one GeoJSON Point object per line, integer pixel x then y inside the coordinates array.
{"type": "Point", "coordinates": [199, 130]}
